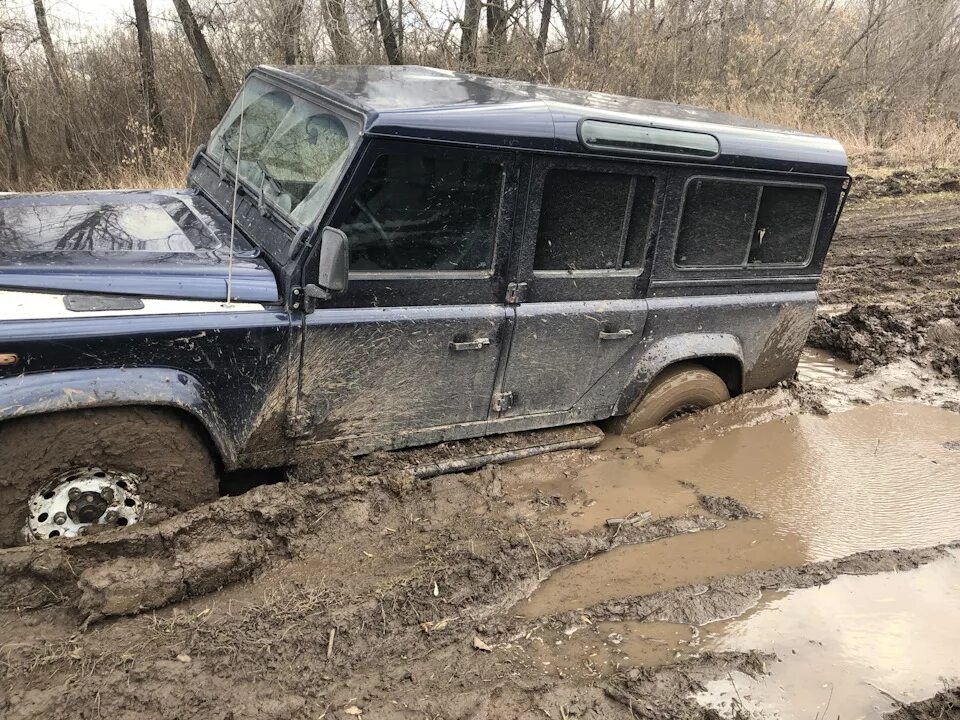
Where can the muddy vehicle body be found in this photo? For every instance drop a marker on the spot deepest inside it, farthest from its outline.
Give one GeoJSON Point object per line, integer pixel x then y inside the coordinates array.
{"type": "Point", "coordinates": [417, 256]}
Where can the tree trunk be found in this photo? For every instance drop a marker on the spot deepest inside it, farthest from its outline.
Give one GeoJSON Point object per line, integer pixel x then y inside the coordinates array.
{"type": "Point", "coordinates": [496, 30]}
{"type": "Point", "coordinates": [148, 78]}
{"type": "Point", "coordinates": [56, 73]}
{"type": "Point", "coordinates": [8, 112]}
{"type": "Point", "coordinates": [338, 31]}
{"type": "Point", "coordinates": [391, 43]}
{"type": "Point", "coordinates": [291, 21]}
{"type": "Point", "coordinates": [469, 29]}
{"type": "Point", "coordinates": [201, 51]}
{"type": "Point", "coordinates": [544, 30]}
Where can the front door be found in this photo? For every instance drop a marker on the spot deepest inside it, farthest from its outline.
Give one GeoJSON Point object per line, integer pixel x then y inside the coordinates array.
{"type": "Point", "coordinates": [582, 273]}
{"type": "Point", "coordinates": [415, 341]}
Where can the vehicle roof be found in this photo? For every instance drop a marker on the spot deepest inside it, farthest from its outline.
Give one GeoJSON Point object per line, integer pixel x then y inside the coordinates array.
{"type": "Point", "coordinates": [428, 103]}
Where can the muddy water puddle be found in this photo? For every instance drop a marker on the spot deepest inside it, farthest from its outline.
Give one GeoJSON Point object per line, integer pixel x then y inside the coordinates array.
{"type": "Point", "coordinates": [842, 646]}
{"type": "Point", "coordinates": [610, 488]}
{"type": "Point", "coordinates": [820, 366]}
{"type": "Point", "coordinates": [633, 570]}
{"type": "Point", "coordinates": [883, 476]}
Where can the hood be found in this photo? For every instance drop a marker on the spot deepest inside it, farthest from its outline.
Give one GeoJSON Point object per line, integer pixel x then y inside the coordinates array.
{"type": "Point", "coordinates": [160, 243]}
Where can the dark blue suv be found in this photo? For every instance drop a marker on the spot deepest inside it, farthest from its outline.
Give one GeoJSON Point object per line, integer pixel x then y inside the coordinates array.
{"type": "Point", "coordinates": [378, 257]}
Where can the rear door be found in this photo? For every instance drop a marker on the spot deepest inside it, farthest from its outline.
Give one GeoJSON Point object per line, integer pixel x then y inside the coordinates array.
{"type": "Point", "coordinates": [581, 274]}
{"type": "Point", "coordinates": [415, 341]}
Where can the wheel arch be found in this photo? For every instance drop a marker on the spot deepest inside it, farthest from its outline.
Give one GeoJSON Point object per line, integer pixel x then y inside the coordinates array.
{"type": "Point", "coordinates": [721, 353]}
{"type": "Point", "coordinates": [179, 392]}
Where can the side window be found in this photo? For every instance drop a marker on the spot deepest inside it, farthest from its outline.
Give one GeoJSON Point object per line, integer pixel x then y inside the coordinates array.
{"type": "Point", "coordinates": [728, 224]}
{"type": "Point", "coordinates": [785, 224]}
{"type": "Point", "coordinates": [425, 212]}
{"type": "Point", "coordinates": [593, 220]}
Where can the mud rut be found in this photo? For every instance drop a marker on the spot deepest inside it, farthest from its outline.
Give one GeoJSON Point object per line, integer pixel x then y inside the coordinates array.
{"type": "Point", "coordinates": [353, 590]}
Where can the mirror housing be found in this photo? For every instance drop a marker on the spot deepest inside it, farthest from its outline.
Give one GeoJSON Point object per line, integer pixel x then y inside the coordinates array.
{"type": "Point", "coordinates": [334, 264]}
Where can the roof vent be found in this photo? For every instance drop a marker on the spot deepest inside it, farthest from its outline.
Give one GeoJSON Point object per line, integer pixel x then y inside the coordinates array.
{"type": "Point", "coordinates": [620, 137]}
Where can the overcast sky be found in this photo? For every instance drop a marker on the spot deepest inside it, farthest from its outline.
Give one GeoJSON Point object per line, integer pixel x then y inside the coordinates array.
{"type": "Point", "coordinates": [90, 13]}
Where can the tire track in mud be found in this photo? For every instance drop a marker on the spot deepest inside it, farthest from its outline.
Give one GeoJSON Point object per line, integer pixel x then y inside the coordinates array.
{"type": "Point", "coordinates": [207, 548]}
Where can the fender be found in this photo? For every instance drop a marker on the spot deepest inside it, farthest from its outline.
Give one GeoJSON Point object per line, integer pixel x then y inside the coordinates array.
{"type": "Point", "coordinates": [47, 392]}
{"type": "Point", "coordinates": [674, 349]}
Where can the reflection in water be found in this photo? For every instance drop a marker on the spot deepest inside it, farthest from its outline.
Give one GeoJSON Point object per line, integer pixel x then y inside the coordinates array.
{"type": "Point", "coordinates": [816, 364]}
{"type": "Point", "coordinates": [839, 644]}
{"type": "Point", "coordinates": [870, 478]}
{"type": "Point", "coordinates": [877, 477]}
{"type": "Point", "coordinates": [92, 228]}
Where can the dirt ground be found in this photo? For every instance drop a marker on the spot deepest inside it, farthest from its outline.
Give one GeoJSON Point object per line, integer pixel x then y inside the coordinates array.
{"type": "Point", "coordinates": [579, 584]}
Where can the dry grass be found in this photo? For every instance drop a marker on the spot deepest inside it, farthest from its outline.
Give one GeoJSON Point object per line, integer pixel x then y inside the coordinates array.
{"type": "Point", "coordinates": [918, 144]}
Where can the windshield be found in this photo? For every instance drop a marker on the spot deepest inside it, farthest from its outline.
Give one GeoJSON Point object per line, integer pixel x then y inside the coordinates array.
{"type": "Point", "coordinates": [293, 149]}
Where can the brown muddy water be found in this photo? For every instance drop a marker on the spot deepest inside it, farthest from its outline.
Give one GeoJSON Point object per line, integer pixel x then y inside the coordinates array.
{"type": "Point", "coordinates": [820, 366]}
{"type": "Point", "coordinates": [883, 476]}
{"type": "Point", "coordinates": [845, 648]}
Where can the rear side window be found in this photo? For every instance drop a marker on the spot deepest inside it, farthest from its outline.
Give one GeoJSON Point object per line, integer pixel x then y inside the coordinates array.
{"type": "Point", "coordinates": [425, 212]}
{"type": "Point", "coordinates": [728, 224]}
{"type": "Point", "coordinates": [593, 221]}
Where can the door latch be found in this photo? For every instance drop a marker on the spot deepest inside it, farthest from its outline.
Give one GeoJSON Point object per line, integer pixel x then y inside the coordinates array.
{"type": "Point", "coordinates": [616, 335]}
{"type": "Point", "coordinates": [478, 344]}
{"type": "Point", "coordinates": [503, 401]}
{"type": "Point", "coordinates": [516, 293]}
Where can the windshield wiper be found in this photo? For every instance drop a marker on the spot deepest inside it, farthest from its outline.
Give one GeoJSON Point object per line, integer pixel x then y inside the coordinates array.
{"type": "Point", "coordinates": [268, 177]}
{"type": "Point", "coordinates": [228, 149]}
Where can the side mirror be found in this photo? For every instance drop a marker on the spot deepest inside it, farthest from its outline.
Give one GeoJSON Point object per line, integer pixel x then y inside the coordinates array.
{"type": "Point", "coordinates": [334, 264]}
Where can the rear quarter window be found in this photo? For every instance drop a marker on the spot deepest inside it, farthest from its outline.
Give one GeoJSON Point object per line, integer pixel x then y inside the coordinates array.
{"type": "Point", "coordinates": [739, 224]}
{"type": "Point", "coordinates": [593, 220]}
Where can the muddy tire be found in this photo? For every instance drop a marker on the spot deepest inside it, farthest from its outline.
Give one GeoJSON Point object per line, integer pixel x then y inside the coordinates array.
{"type": "Point", "coordinates": [163, 448]}
{"type": "Point", "coordinates": [684, 387]}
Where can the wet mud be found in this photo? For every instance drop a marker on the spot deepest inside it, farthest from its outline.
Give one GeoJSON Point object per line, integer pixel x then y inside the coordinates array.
{"type": "Point", "coordinates": [733, 561]}
{"type": "Point", "coordinates": [854, 648]}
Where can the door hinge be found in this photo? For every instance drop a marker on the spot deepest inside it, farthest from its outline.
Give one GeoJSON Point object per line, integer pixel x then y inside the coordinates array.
{"type": "Point", "coordinates": [503, 401]}
{"type": "Point", "coordinates": [516, 293]}
{"type": "Point", "coordinates": [299, 425]}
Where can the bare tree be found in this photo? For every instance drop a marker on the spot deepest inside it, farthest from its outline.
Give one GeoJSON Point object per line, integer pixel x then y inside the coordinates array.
{"type": "Point", "coordinates": [338, 31]}
{"type": "Point", "coordinates": [544, 32]}
{"type": "Point", "coordinates": [497, 17]}
{"type": "Point", "coordinates": [8, 111]}
{"type": "Point", "coordinates": [391, 41]}
{"type": "Point", "coordinates": [291, 20]}
{"type": "Point", "coordinates": [56, 72]}
{"type": "Point", "coordinates": [148, 80]}
{"type": "Point", "coordinates": [201, 51]}
{"type": "Point", "coordinates": [469, 32]}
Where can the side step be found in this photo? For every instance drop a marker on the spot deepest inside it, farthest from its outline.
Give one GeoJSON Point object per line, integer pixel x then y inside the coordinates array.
{"type": "Point", "coordinates": [475, 453]}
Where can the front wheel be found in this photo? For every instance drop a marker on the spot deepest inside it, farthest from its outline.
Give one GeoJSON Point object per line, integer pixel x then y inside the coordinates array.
{"type": "Point", "coordinates": [72, 473]}
{"type": "Point", "coordinates": [682, 388]}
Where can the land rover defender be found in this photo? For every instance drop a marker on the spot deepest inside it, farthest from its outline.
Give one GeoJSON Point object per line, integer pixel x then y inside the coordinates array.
{"type": "Point", "coordinates": [373, 258]}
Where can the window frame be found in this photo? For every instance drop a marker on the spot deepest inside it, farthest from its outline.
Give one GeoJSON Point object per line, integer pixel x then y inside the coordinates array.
{"type": "Point", "coordinates": [420, 288]}
{"type": "Point", "coordinates": [746, 265]}
{"type": "Point", "coordinates": [371, 159]}
{"type": "Point", "coordinates": [640, 268]}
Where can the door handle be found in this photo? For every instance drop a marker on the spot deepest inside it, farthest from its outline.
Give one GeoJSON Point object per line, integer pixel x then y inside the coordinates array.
{"type": "Point", "coordinates": [477, 344]}
{"type": "Point", "coordinates": [618, 335]}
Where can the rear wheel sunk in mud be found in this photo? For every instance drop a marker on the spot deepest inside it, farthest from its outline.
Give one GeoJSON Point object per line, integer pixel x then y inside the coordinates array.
{"type": "Point", "coordinates": [681, 388]}
{"type": "Point", "coordinates": [102, 466]}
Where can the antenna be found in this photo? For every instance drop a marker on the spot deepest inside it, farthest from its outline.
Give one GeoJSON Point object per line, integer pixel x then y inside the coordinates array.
{"type": "Point", "coordinates": [236, 186]}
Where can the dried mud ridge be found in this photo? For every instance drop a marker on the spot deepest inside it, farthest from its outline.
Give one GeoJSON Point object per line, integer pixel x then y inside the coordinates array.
{"type": "Point", "coordinates": [944, 705]}
{"type": "Point", "coordinates": [871, 336]}
{"type": "Point", "coordinates": [904, 182]}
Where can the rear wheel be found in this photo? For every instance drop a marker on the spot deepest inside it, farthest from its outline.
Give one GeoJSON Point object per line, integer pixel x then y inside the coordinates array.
{"type": "Point", "coordinates": [71, 473]}
{"type": "Point", "coordinates": [682, 388]}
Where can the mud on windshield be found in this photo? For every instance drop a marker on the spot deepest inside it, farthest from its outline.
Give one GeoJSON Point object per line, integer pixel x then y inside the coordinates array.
{"type": "Point", "coordinates": [289, 150]}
